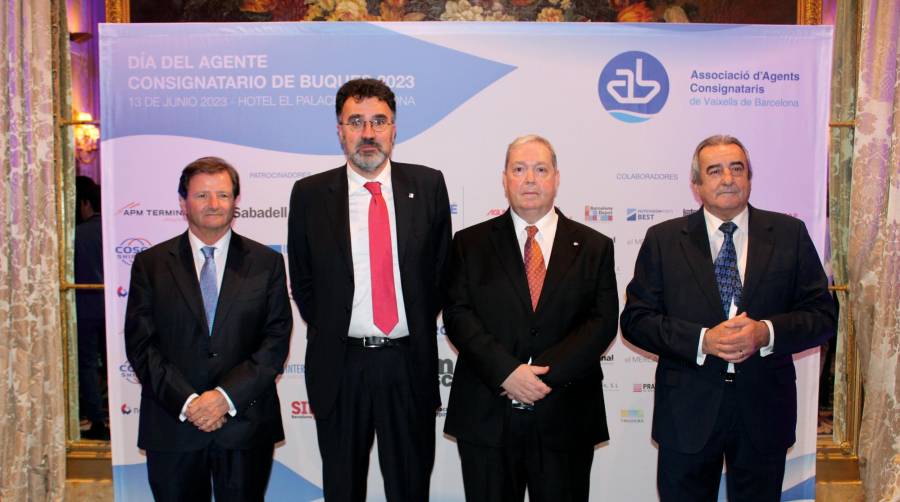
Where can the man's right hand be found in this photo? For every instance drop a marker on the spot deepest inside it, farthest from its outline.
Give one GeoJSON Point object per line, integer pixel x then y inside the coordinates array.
{"type": "Point", "coordinates": [524, 384]}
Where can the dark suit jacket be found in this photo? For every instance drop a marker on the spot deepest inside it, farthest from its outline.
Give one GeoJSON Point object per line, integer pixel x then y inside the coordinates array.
{"type": "Point", "coordinates": [673, 295]}
{"type": "Point", "coordinates": [321, 270]}
{"type": "Point", "coordinates": [169, 346]}
{"type": "Point", "coordinates": [490, 320]}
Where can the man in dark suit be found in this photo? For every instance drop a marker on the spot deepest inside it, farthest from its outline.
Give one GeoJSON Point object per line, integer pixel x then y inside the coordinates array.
{"type": "Point", "coordinates": [531, 307]}
{"type": "Point", "coordinates": [367, 244]}
{"type": "Point", "coordinates": [207, 331]}
{"type": "Point", "coordinates": [725, 296]}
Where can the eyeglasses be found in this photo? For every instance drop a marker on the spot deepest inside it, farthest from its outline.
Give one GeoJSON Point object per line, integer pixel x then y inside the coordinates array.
{"type": "Point", "coordinates": [357, 124]}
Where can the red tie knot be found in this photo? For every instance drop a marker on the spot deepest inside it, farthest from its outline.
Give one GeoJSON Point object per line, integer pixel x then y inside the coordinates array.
{"type": "Point", "coordinates": [532, 230]}
{"type": "Point", "coordinates": [373, 187]}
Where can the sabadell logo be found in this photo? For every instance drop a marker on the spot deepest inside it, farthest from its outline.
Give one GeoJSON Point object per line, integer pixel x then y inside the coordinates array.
{"type": "Point", "coordinates": [633, 86]}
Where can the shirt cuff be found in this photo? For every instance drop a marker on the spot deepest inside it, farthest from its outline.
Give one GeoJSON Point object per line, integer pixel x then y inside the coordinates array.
{"type": "Point", "coordinates": [232, 411]}
{"type": "Point", "coordinates": [770, 348]}
{"type": "Point", "coordinates": [701, 357]}
{"type": "Point", "coordinates": [184, 408]}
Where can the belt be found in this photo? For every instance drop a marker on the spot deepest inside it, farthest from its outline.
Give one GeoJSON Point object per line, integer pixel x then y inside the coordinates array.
{"type": "Point", "coordinates": [376, 342]}
{"type": "Point", "coordinates": [728, 377]}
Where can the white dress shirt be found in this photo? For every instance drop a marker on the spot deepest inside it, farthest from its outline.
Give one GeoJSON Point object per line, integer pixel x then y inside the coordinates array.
{"type": "Point", "coordinates": [741, 241]}
{"type": "Point", "coordinates": [546, 233]}
{"type": "Point", "coordinates": [362, 322]}
{"type": "Point", "coordinates": [220, 256]}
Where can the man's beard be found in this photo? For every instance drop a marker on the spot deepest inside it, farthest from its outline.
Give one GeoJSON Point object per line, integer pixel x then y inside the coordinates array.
{"type": "Point", "coordinates": [365, 162]}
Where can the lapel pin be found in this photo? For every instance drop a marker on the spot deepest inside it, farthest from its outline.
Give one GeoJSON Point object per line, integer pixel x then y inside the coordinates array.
{"type": "Point", "coordinates": [575, 243]}
{"type": "Point", "coordinates": [412, 196]}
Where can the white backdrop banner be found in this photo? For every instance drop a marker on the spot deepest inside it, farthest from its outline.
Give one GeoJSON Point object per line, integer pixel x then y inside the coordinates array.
{"type": "Point", "coordinates": [624, 105]}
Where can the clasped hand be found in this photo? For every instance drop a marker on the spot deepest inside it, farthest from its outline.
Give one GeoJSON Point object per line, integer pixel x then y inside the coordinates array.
{"type": "Point", "coordinates": [207, 412]}
{"type": "Point", "coordinates": [524, 384]}
{"type": "Point", "coordinates": [736, 339]}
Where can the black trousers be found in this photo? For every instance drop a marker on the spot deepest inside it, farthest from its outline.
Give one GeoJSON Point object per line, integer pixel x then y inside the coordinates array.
{"type": "Point", "coordinates": [502, 474]}
{"type": "Point", "coordinates": [235, 475]}
{"type": "Point", "coordinates": [751, 476]}
{"type": "Point", "coordinates": [376, 399]}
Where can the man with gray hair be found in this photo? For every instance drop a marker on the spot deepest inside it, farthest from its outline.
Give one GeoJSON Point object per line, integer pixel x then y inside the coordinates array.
{"type": "Point", "coordinates": [532, 305]}
{"type": "Point", "coordinates": [725, 297]}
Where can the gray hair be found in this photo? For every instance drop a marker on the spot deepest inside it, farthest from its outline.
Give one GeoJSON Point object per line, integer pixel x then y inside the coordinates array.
{"type": "Point", "coordinates": [531, 138]}
{"type": "Point", "coordinates": [716, 140]}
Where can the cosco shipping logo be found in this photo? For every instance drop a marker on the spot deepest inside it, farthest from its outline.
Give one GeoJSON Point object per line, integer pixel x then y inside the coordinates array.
{"type": "Point", "coordinates": [129, 247]}
{"type": "Point", "coordinates": [633, 86]}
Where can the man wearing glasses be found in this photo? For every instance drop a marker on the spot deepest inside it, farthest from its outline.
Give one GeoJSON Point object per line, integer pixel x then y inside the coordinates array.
{"type": "Point", "coordinates": [532, 305]}
{"type": "Point", "coordinates": [367, 245]}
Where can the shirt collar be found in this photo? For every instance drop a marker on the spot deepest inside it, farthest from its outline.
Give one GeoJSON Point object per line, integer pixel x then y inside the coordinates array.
{"type": "Point", "coordinates": [543, 225]}
{"type": "Point", "coordinates": [355, 181]}
{"type": "Point", "coordinates": [713, 223]}
{"type": "Point", "coordinates": [221, 245]}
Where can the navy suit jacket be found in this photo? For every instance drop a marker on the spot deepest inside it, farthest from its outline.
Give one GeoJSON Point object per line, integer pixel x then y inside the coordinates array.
{"type": "Point", "coordinates": [490, 320]}
{"type": "Point", "coordinates": [674, 294]}
{"type": "Point", "coordinates": [173, 354]}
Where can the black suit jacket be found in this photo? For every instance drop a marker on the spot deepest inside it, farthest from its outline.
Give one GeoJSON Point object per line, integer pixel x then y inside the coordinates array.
{"type": "Point", "coordinates": [321, 270]}
{"type": "Point", "coordinates": [169, 346]}
{"type": "Point", "coordinates": [674, 294]}
{"type": "Point", "coordinates": [490, 320]}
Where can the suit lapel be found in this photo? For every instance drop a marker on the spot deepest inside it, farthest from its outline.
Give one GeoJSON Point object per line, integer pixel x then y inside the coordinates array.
{"type": "Point", "coordinates": [185, 273]}
{"type": "Point", "coordinates": [237, 265]}
{"type": "Point", "coordinates": [759, 250]}
{"type": "Point", "coordinates": [695, 245]}
{"type": "Point", "coordinates": [506, 245]}
{"type": "Point", "coordinates": [404, 199]}
{"type": "Point", "coordinates": [337, 206]}
{"type": "Point", "coordinates": [566, 246]}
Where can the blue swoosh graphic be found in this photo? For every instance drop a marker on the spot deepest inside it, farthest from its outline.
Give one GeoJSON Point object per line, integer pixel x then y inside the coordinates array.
{"type": "Point", "coordinates": [130, 484]}
{"type": "Point", "coordinates": [430, 81]}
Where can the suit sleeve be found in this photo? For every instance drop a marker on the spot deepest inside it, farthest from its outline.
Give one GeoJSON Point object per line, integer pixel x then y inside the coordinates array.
{"type": "Point", "coordinates": [299, 257]}
{"type": "Point", "coordinates": [249, 379]}
{"type": "Point", "coordinates": [812, 317]}
{"type": "Point", "coordinates": [581, 348]}
{"type": "Point", "coordinates": [158, 376]}
{"type": "Point", "coordinates": [645, 320]}
{"type": "Point", "coordinates": [490, 360]}
{"type": "Point", "coordinates": [443, 234]}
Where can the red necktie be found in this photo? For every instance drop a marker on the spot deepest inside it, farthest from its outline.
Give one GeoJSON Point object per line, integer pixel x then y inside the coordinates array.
{"type": "Point", "coordinates": [534, 266]}
{"type": "Point", "coordinates": [381, 262]}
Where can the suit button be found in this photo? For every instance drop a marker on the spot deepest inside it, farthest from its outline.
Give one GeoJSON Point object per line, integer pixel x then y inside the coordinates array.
{"type": "Point", "coordinates": [534, 332]}
{"type": "Point", "coordinates": [213, 354]}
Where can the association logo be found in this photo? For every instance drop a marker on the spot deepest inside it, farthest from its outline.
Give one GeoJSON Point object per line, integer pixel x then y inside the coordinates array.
{"type": "Point", "coordinates": [631, 416]}
{"type": "Point", "coordinates": [643, 387]}
{"type": "Point", "coordinates": [301, 409]}
{"type": "Point", "coordinates": [634, 214]}
{"type": "Point", "coordinates": [598, 213]}
{"type": "Point", "coordinates": [633, 86]}
{"type": "Point", "coordinates": [445, 372]}
{"type": "Point", "coordinates": [128, 248]}
{"type": "Point", "coordinates": [127, 372]}
{"type": "Point", "coordinates": [121, 292]}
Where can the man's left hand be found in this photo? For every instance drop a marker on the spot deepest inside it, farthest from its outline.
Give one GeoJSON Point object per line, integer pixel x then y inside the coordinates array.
{"type": "Point", "coordinates": [207, 411]}
{"type": "Point", "coordinates": [750, 336]}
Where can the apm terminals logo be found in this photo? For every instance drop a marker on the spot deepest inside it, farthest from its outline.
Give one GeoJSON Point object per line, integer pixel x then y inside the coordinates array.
{"type": "Point", "coordinates": [633, 86]}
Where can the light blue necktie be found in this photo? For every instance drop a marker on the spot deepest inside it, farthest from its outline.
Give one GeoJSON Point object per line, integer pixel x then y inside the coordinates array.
{"type": "Point", "coordinates": [727, 276]}
{"type": "Point", "coordinates": [208, 285]}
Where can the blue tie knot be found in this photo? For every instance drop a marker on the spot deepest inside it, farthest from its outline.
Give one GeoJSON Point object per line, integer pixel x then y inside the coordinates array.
{"type": "Point", "coordinates": [208, 251]}
{"type": "Point", "coordinates": [728, 228]}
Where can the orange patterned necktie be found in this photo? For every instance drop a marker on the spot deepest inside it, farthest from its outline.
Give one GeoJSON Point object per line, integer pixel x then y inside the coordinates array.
{"type": "Point", "coordinates": [534, 266]}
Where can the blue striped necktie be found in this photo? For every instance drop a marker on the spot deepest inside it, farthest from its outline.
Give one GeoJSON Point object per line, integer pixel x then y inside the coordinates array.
{"type": "Point", "coordinates": [727, 276]}
{"type": "Point", "coordinates": [208, 287]}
